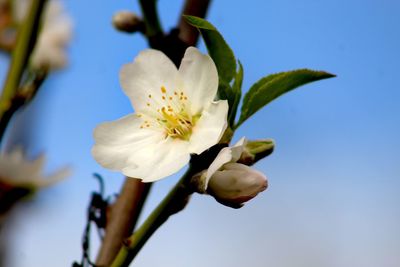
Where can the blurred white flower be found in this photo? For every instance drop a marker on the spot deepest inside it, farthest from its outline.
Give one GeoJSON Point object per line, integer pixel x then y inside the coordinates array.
{"type": "Point", "coordinates": [17, 171]}
{"type": "Point", "coordinates": [233, 183]}
{"type": "Point", "coordinates": [176, 115]}
{"type": "Point", "coordinates": [54, 36]}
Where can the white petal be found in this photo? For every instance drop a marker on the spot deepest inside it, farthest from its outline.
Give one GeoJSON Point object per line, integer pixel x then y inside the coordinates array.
{"type": "Point", "coordinates": [117, 141]}
{"type": "Point", "coordinates": [224, 156]}
{"type": "Point", "coordinates": [46, 55]}
{"type": "Point", "coordinates": [150, 71]}
{"type": "Point", "coordinates": [16, 170]}
{"type": "Point", "coordinates": [159, 160]}
{"type": "Point", "coordinates": [53, 178]}
{"type": "Point", "coordinates": [38, 164]}
{"type": "Point", "coordinates": [237, 149]}
{"type": "Point", "coordinates": [16, 155]}
{"type": "Point", "coordinates": [200, 78]}
{"type": "Point", "coordinates": [210, 127]}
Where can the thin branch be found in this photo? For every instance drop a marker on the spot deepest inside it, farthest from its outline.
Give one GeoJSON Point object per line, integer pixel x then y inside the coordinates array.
{"type": "Point", "coordinates": [123, 218]}
{"type": "Point", "coordinates": [174, 202]}
{"type": "Point", "coordinates": [188, 33]}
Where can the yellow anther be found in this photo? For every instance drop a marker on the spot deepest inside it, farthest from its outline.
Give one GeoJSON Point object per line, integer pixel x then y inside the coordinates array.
{"type": "Point", "coordinates": [163, 90]}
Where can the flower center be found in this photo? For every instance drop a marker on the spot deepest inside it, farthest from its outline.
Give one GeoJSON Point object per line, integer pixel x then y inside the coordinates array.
{"type": "Point", "coordinates": [169, 114]}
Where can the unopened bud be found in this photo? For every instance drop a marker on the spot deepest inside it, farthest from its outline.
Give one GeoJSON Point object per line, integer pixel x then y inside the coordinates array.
{"type": "Point", "coordinates": [235, 184]}
{"type": "Point", "coordinates": [256, 150]}
{"type": "Point", "coordinates": [127, 21]}
{"type": "Point", "coordinates": [228, 180]}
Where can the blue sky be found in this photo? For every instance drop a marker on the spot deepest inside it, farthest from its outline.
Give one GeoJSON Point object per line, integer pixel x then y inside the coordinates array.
{"type": "Point", "coordinates": [334, 176]}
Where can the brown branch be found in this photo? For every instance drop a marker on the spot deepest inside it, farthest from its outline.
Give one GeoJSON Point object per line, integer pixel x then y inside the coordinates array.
{"type": "Point", "coordinates": [188, 33]}
{"type": "Point", "coordinates": [123, 218]}
{"type": "Point", "coordinates": [126, 210]}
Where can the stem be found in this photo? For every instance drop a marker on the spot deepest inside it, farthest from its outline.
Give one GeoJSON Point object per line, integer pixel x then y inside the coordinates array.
{"type": "Point", "coordinates": [171, 204]}
{"type": "Point", "coordinates": [124, 216]}
{"type": "Point", "coordinates": [26, 40]}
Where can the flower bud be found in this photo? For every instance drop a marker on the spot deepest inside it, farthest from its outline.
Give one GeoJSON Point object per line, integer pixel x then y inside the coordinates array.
{"type": "Point", "coordinates": [235, 184]}
{"type": "Point", "coordinates": [227, 180]}
{"type": "Point", "coordinates": [256, 150]}
{"type": "Point", "coordinates": [127, 21]}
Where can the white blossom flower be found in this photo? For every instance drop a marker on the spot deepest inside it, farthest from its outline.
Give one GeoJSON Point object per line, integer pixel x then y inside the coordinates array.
{"type": "Point", "coordinates": [17, 171]}
{"type": "Point", "coordinates": [54, 36]}
{"type": "Point", "coordinates": [176, 115]}
{"type": "Point", "coordinates": [230, 182]}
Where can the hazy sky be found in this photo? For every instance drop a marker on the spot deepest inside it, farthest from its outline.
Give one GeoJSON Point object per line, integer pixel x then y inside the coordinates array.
{"type": "Point", "coordinates": [334, 177]}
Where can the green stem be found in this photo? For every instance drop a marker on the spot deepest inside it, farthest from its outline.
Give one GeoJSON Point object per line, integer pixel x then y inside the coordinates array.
{"type": "Point", "coordinates": [25, 42]}
{"type": "Point", "coordinates": [150, 17]}
{"type": "Point", "coordinates": [171, 204]}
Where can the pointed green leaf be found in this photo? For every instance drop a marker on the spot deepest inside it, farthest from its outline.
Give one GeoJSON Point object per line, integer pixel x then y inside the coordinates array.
{"type": "Point", "coordinates": [271, 87]}
{"type": "Point", "coordinates": [217, 47]}
{"type": "Point", "coordinates": [232, 93]}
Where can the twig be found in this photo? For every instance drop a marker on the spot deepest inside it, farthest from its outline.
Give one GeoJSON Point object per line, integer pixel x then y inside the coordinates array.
{"type": "Point", "coordinates": [124, 215]}
{"type": "Point", "coordinates": [172, 203]}
{"type": "Point", "coordinates": [188, 33]}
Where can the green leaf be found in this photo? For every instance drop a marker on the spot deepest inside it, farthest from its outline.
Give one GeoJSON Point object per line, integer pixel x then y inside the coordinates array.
{"type": "Point", "coordinates": [217, 47]}
{"type": "Point", "coordinates": [232, 94]}
{"type": "Point", "coordinates": [271, 87]}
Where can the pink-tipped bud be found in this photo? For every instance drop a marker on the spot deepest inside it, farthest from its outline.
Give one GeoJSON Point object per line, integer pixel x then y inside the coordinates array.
{"type": "Point", "coordinates": [235, 184]}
